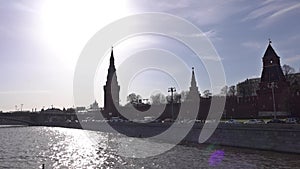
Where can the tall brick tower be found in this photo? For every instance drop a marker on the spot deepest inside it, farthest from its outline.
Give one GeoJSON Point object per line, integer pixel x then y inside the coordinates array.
{"type": "Point", "coordinates": [273, 89]}
{"type": "Point", "coordinates": [111, 90]}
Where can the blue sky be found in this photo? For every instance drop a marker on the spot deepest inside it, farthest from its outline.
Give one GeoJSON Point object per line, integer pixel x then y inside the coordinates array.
{"type": "Point", "coordinates": [41, 40]}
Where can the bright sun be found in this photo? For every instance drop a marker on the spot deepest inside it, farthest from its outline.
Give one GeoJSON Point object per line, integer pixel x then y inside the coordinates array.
{"type": "Point", "coordinates": [68, 24]}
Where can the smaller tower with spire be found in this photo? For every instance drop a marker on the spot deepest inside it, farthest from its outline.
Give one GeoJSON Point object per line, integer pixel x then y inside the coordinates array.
{"type": "Point", "coordinates": [193, 92]}
{"type": "Point", "coordinates": [192, 102]}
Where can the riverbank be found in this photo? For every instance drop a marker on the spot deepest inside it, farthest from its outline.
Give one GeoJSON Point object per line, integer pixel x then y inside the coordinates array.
{"type": "Point", "coordinates": [272, 137]}
{"type": "Point", "coordinates": [57, 147]}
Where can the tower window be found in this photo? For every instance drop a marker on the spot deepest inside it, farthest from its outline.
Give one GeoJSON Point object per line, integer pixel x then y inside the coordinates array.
{"type": "Point", "coordinates": [271, 61]}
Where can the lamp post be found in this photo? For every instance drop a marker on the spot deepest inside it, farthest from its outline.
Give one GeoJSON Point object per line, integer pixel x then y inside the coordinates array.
{"type": "Point", "coordinates": [272, 85]}
{"type": "Point", "coordinates": [172, 90]}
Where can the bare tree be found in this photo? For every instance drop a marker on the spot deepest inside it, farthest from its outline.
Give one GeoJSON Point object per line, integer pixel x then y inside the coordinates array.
{"type": "Point", "coordinates": [176, 98]}
{"type": "Point", "coordinates": [232, 91]}
{"type": "Point", "coordinates": [224, 90]}
{"type": "Point", "coordinates": [157, 99]}
{"type": "Point", "coordinates": [184, 95]}
{"type": "Point", "coordinates": [207, 93]}
{"type": "Point", "coordinates": [289, 73]}
{"type": "Point", "coordinates": [287, 70]}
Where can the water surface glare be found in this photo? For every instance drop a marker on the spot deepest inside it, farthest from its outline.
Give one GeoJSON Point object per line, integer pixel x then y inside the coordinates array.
{"type": "Point", "coordinates": [30, 147]}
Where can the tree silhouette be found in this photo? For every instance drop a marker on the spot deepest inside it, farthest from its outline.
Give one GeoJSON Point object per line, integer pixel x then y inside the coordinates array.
{"type": "Point", "coordinates": [287, 70]}
{"type": "Point", "coordinates": [184, 95]}
{"type": "Point", "coordinates": [133, 98]}
{"type": "Point", "coordinates": [289, 73]}
{"type": "Point", "coordinates": [224, 90]}
{"type": "Point", "coordinates": [207, 93]}
{"type": "Point", "coordinates": [232, 91]}
{"type": "Point", "coordinates": [158, 98]}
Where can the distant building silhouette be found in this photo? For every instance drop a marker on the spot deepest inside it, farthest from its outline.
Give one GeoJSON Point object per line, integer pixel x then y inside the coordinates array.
{"type": "Point", "coordinates": [94, 105]}
{"type": "Point", "coordinates": [111, 90]}
{"type": "Point", "coordinates": [247, 88]}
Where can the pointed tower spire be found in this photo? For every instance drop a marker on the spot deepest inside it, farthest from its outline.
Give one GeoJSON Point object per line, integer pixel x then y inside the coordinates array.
{"type": "Point", "coordinates": [194, 92]}
{"type": "Point", "coordinates": [112, 59]}
{"type": "Point", "coordinates": [270, 52]}
{"type": "Point", "coordinates": [111, 89]}
{"type": "Point", "coordinates": [194, 87]}
{"type": "Point", "coordinates": [272, 71]}
{"type": "Point", "coordinates": [193, 81]}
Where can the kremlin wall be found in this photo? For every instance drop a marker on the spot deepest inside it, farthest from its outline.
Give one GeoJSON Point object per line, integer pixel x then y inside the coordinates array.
{"type": "Point", "coordinates": [271, 95]}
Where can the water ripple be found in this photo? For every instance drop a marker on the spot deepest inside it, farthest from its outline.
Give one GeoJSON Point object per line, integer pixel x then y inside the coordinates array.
{"type": "Point", "coordinates": [30, 147]}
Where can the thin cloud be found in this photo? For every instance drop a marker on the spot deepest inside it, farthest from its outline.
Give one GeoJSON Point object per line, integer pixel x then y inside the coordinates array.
{"type": "Point", "coordinates": [211, 58]}
{"type": "Point", "coordinates": [285, 10]}
{"type": "Point", "coordinates": [252, 45]}
{"type": "Point", "coordinates": [295, 37]}
{"type": "Point", "coordinates": [269, 12]}
{"type": "Point", "coordinates": [263, 11]}
{"type": "Point", "coordinates": [205, 12]}
{"type": "Point", "coordinates": [292, 59]}
{"type": "Point", "coordinates": [267, 1]}
{"type": "Point", "coordinates": [211, 34]}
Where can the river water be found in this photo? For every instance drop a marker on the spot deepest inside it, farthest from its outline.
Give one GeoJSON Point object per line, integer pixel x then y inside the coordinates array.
{"type": "Point", "coordinates": [30, 147]}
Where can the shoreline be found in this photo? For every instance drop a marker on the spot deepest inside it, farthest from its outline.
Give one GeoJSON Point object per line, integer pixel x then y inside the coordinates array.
{"type": "Point", "coordinates": [272, 137]}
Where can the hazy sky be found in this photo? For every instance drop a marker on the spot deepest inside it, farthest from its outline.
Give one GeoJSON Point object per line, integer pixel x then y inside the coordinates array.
{"type": "Point", "coordinates": [41, 40]}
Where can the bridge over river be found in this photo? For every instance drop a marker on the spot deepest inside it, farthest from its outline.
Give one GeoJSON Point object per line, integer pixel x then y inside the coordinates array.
{"type": "Point", "coordinates": [36, 118]}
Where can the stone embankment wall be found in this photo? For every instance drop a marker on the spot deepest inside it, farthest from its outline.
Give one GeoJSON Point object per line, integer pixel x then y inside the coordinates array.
{"type": "Point", "coordinates": [274, 137]}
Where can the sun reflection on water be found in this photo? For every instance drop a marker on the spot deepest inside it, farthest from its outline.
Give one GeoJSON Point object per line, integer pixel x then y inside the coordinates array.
{"type": "Point", "coordinates": [73, 148]}
{"type": "Point", "coordinates": [30, 147]}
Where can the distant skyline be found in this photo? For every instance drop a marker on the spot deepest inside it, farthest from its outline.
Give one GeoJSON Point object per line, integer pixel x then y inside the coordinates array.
{"type": "Point", "coordinates": [41, 40]}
